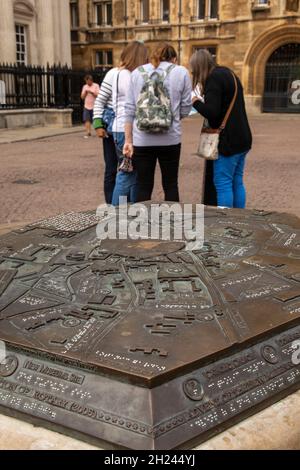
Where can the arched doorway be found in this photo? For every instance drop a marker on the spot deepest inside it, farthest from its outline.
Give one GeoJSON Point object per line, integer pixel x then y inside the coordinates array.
{"type": "Point", "coordinates": [282, 70]}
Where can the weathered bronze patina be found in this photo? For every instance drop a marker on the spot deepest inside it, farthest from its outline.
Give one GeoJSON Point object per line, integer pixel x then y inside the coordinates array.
{"type": "Point", "coordinates": [143, 343]}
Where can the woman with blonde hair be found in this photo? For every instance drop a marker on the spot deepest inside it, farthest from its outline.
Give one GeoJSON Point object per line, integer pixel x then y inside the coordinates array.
{"type": "Point", "coordinates": [159, 96]}
{"type": "Point", "coordinates": [114, 90]}
{"type": "Point", "coordinates": [220, 88]}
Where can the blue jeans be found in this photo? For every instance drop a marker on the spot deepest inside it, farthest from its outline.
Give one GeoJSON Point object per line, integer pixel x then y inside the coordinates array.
{"type": "Point", "coordinates": [126, 183]}
{"type": "Point", "coordinates": [126, 186]}
{"type": "Point", "coordinates": [228, 180]}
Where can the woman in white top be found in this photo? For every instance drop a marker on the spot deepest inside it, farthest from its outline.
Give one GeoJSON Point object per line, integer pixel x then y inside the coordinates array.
{"type": "Point", "coordinates": [146, 105]}
{"type": "Point", "coordinates": [134, 55]}
{"type": "Point", "coordinates": [103, 121]}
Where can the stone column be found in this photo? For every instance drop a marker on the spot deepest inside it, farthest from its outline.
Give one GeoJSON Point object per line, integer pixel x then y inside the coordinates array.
{"type": "Point", "coordinates": [7, 32]}
{"type": "Point", "coordinates": [83, 19]}
{"type": "Point", "coordinates": [62, 30]}
{"type": "Point", "coordinates": [45, 31]}
{"type": "Point", "coordinates": [83, 13]}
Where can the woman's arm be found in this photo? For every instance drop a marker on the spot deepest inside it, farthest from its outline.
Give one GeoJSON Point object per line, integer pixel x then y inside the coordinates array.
{"type": "Point", "coordinates": [103, 99]}
{"type": "Point", "coordinates": [211, 109]}
{"type": "Point", "coordinates": [186, 102]}
{"type": "Point", "coordinates": [128, 146]}
{"type": "Point", "coordinates": [130, 110]}
{"type": "Point", "coordinates": [130, 103]}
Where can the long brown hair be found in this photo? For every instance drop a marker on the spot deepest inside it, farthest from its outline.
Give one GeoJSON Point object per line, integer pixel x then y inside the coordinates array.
{"type": "Point", "coordinates": [202, 64]}
{"type": "Point", "coordinates": [163, 52]}
{"type": "Point", "coordinates": [134, 55]}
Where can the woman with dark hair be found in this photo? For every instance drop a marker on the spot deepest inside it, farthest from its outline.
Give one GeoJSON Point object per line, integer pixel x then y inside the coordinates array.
{"type": "Point", "coordinates": [219, 85]}
{"type": "Point", "coordinates": [158, 98]}
{"type": "Point", "coordinates": [113, 92]}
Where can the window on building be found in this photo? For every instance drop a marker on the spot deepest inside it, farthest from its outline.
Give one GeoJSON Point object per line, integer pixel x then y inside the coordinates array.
{"type": "Point", "coordinates": [201, 9]}
{"type": "Point", "coordinates": [207, 9]}
{"type": "Point", "coordinates": [103, 14]}
{"type": "Point", "coordinates": [292, 5]}
{"type": "Point", "coordinates": [213, 11]}
{"type": "Point", "coordinates": [21, 44]}
{"type": "Point", "coordinates": [104, 58]}
{"type": "Point", "coordinates": [260, 5]}
{"type": "Point", "coordinates": [165, 10]}
{"type": "Point", "coordinates": [211, 49]}
{"type": "Point", "coordinates": [145, 16]}
{"type": "Point", "coordinates": [74, 13]}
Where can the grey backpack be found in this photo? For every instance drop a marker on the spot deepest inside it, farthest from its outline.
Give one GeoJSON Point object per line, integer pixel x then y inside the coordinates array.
{"type": "Point", "coordinates": [153, 109]}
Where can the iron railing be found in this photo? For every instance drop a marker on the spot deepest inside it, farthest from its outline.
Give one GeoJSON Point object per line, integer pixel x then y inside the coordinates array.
{"type": "Point", "coordinates": [27, 87]}
{"type": "Point", "coordinates": [282, 72]}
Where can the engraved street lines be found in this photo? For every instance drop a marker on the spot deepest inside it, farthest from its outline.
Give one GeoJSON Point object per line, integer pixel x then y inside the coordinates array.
{"type": "Point", "coordinates": [6, 277]}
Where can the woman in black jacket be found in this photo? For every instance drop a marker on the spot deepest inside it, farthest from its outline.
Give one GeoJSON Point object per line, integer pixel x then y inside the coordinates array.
{"type": "Point", "coordinates": [217, 85]}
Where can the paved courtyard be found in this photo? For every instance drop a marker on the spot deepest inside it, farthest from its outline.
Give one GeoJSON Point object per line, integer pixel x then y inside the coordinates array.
{"type": "Point", "coordinates": [40, 178]}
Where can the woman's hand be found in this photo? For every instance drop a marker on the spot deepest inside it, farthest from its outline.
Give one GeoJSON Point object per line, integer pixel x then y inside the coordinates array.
{"type": "Point", "coordinates": [195, 98]}
{"type": "Point", "coordinates": [101, 133]}
{"type": "Point", "coordinates": [128, 147]}
{"type": "Point", "coordinates": [128, 150]}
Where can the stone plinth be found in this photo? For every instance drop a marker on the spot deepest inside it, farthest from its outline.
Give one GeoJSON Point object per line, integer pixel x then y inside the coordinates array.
{"type": "Point", "coordinates": [18, 118]}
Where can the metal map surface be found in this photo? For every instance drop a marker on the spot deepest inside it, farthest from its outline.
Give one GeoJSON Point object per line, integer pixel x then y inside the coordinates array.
{"type": "Point", "coordinates": [145, 344]}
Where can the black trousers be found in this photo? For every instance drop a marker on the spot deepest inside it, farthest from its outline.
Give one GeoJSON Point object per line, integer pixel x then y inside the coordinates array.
{"type": "Point", "coordinates": [209, 197]}
{"type": "Point", "coordinates": [111, 167]}
{"type": "Point", "coordinates": [145, 159]}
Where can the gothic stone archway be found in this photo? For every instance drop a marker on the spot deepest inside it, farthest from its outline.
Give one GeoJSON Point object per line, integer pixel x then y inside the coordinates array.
{"type": "Point", "coordinates": [258, 55]}
{"type": "Point", "coordinates": [282, 71]}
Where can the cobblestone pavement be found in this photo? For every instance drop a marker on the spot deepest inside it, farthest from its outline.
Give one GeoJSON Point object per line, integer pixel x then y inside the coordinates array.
{"type": "Point", "coordinates": [64, 173]}
{"type": "Point", "coordinates": [8, 136]}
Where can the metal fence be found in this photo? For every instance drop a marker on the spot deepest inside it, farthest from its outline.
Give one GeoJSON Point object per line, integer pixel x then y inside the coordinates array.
{"type": "Point", "coordinates": [24, 87]}
{"type": "Point", "coordinates": [282, 72]}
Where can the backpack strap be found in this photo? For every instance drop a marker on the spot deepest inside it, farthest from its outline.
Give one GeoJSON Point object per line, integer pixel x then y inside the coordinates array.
{"type": "Point", "coordinates": [166, 72]}
{"type": "Point", "coordinates": [169, 69]}
{"type": "Point", "coordinates": [144, 74]}
{"type": "Point", "coordinates": [162, 76]}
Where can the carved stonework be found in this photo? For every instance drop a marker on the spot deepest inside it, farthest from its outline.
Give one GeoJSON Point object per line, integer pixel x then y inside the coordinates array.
{"type": "Point", "coordinates": [24, 8]}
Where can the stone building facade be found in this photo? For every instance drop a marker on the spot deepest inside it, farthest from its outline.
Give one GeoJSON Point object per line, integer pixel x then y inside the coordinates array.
{"type": "Point", "coordinates": [243, 34]}
{"type": "Point", "coordinates": [35, 32]}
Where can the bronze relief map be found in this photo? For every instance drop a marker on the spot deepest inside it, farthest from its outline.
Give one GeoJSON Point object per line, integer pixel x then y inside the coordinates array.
{"type": "Point", "coordinates": [144, 344]}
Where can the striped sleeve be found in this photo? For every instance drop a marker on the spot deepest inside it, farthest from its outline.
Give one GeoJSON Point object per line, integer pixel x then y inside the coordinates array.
{"type": "Point", "coordinates": [104, 99]}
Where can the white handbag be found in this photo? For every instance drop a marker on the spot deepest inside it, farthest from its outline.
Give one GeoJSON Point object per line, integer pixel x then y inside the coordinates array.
{"type": "Point", "coordinates": [208, 147]}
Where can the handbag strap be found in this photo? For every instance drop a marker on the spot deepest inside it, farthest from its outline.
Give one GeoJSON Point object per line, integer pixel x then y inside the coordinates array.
{"type": "Point", "coordinates": [223, 125]}
{"type": "Point", "coordinates": [117, 100]}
